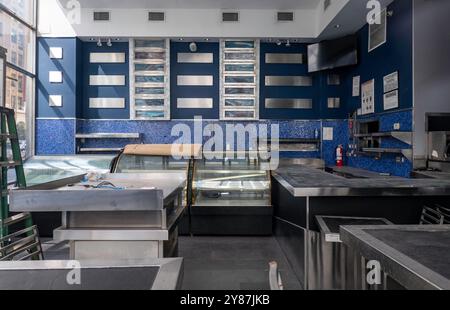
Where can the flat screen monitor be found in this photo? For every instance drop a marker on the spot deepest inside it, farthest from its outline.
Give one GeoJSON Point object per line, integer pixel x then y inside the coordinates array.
{"type": "Point", "coordinates": [333, 54]}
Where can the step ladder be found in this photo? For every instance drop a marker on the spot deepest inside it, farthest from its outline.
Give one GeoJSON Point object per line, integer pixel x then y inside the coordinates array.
{"type": "Point", "coordinates": [8, 133]}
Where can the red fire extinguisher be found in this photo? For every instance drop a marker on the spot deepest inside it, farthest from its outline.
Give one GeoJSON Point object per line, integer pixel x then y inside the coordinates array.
{"type": "Point", "coordinates": [340, 156]}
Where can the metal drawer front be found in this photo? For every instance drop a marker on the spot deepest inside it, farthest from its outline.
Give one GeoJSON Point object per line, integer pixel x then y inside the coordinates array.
{"type": "Point", "coordinates": [334, 103]}
{"type": "Point", "coordinates": [107, 58]}
{"type": "Point", "coordinates": [107, 80]}
{"type": "Point", "coordinates": [195, 103]}
{"type": "Point", "coordinates": [288, 81]}
{"type": "Point", "coordinates": [107, 103]}
{"type": "Point", "coordinates": [284, 58]}
{"type": "Point", "coordinates": [195, 58]}
{"type": "Point", "coordinates": [195, 80]}
{"type": "Point", "coordinates": [288, 103]}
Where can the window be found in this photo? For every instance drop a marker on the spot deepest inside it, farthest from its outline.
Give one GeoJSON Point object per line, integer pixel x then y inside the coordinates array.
{"type": "Point", "coordinates": [24, 9]}
{"type": "Point", "coordinates": [18, 39]}
{"type": "Point", "coordinates": [239, 80]}
{"type": "Point", "coordinates": [150, 82]}
{"type": "Point", "coordinates": [19, 96]}
{"type": "Point", "coordinates": [17, 36]}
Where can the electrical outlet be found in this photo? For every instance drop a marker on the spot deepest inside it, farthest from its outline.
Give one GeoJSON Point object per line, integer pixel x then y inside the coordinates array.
{"type": "Point", "coordinates": [397, 126]}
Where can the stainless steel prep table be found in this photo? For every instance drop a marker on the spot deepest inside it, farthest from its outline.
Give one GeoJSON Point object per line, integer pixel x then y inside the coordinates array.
{"type": "Point", "coordinates": [308, 182]}
{"type": "Point", "coordinates": [301, 193]}
{"type": "Point", "coordinates": [415, 257]}
{"type": "Point", "coordinates": [357, 173]}
{"type": "Point", "coordinates": [136, 219]}
{"type": "Point", "coordinates": [148, 274]}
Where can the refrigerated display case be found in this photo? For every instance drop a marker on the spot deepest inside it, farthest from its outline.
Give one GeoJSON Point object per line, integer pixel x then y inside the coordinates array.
{"type": "Point", "coordinates": [146, 158]}
{"type": "Point", "coordinates": [231, 196]}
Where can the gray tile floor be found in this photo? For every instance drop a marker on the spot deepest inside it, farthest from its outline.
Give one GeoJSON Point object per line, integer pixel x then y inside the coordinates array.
{"type": "Point", "coordinates": [219, 263]}
{"type": "Point", "coordinates": [232, 263]}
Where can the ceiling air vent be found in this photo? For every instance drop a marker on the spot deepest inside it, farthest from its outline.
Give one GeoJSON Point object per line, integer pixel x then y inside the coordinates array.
{"type": "Point", "coordinates": [156, 16]}
{"type": "Point", "coordinates": [326, 4]}
{"type": "Point", "coordinates": [285, 16]}
{"type": "Point", "coordinates": [102, 16]}
{"type": "Point", "coordinates": [230, 16]}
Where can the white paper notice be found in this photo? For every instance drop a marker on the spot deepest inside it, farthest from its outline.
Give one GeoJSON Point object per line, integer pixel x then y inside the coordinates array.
{"type": "Point", "coordinates": [328, 134]}
{"type": "Point", "coordinates": [390, 82]}
{"type": "Point", "coordinates": [391, 100]}
{"type": "Point", "coordinates": [356, 86]}
{"type": "Point", "coordinates": [368, 97]}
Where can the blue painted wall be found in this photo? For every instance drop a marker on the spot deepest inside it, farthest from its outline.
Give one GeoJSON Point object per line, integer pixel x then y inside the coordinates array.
{"type": "Point", "coordinates": [71, 86]}
{"type": "Point", "coordinates": [394, 55]}
{"type": "Point", "coordinates": [194, 91]}
{"type": "Point", "coordinates": [319, 92]}
{"type": "Point", "coordinates": [105, 91]}
{"type": "Point", "coordinates": [302, 92]}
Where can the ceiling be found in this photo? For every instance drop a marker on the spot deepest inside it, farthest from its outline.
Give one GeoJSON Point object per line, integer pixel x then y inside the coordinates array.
{"type": "Point", "coordinates": [204, 4]}
{"type": "Point", "coordinates": [350, 19]}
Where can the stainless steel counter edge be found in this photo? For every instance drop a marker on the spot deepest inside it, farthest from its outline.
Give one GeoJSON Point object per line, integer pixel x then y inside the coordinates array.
{"type": "Point", "coordinates": [86, 201]}
{"type": "Point", "coordinates": [169, 275]}
{"type": "Point", "coordinates": [125, 234]}
{"type": "Point", "coordinates": [407, 271]}
{"type": "Point", "coordinates": [358, 191]}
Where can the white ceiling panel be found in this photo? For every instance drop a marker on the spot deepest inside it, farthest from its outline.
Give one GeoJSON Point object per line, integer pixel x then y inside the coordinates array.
{"type": "Point", "coordinates": [204, 4]}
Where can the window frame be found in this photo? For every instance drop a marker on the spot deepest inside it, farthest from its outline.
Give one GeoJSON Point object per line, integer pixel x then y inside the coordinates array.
{"type": "Point", "coordinates": [224, 85]}
{"type": "Point", "coordinates": [30, 109]}
{"type": "Point", "coordinates": [134, 108]}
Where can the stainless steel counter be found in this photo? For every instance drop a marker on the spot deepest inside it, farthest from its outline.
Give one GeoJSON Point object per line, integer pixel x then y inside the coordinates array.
{"type": "Point", "coordinates": [432, 175]}
{"type": "Point", "coordinates": [356, 173]}
{"type": "Point", "coordinates": [114, 216]}
{"type": "Point", "coordinates": [416, 257]}
{"type": "Point", "coordinates": [303, 181]}
{"type": "Point", "coordinates": [147, 274]}
{"type": "Point", "coordinates": [133, 192]}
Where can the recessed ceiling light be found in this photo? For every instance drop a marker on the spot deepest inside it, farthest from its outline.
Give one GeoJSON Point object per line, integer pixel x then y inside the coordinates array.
{"type": "Point", "coordinates": [206, 39]}
{"type": "Point", "coordinates": [181, 39]}
{"type": "Point", "coordinates": [337, 26]}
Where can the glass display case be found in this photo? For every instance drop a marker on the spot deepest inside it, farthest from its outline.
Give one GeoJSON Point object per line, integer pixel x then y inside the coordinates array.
{"type": "Point", "coordinates": [231, 182]}
{"type": "Point", "coordinates": [141, 158]}
{"type": "Point", "coordinates": [140, 164]}
{"type": "Point", "coordinates": [160, 158]}
{"type": "Point", "coordinates": [225, 194]}
{"type": "Point", "coordinates": [231, 196]}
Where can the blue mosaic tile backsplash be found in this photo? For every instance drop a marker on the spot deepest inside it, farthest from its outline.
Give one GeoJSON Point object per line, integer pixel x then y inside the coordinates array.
{"type": "Point", "coordinates": [57, 137]}
{"type": "Point", "coordinates": [388, 163]}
